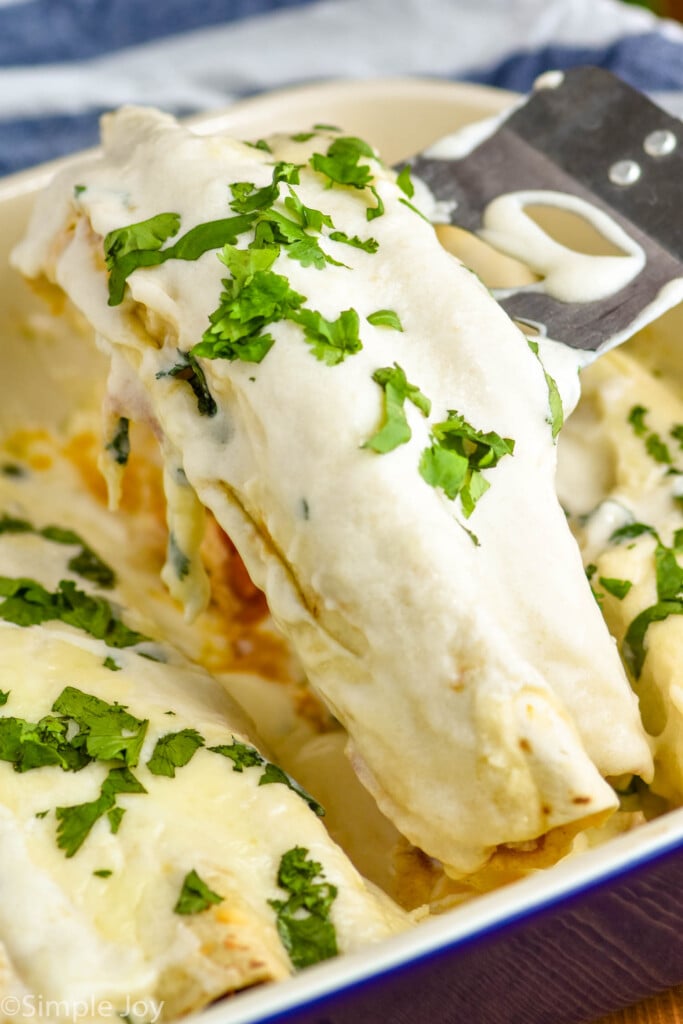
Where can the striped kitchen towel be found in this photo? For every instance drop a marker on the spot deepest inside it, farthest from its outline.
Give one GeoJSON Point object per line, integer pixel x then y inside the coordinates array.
{"type": "Point", "coordinates": [63, 62]}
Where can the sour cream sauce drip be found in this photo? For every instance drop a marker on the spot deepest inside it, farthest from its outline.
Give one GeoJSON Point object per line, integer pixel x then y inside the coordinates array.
{"type": "Point", "coordinates": [450, 664]}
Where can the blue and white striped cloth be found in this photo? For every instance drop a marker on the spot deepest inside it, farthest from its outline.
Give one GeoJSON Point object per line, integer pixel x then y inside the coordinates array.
{"type": "Point", "coordinates": [63, 62]}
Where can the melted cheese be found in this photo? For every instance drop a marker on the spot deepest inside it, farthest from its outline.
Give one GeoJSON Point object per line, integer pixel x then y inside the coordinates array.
{"type": "Point", "coordinates": [483, 696]}
{"type": "Point", "coordinates": [67, 934]}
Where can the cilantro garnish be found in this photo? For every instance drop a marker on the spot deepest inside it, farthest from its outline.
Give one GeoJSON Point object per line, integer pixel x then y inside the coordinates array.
{"type": "Point", "coordinates": [676, 433]}
{"type": "Point", "coordinates": [28, 603]}
{"type": "Point", "coordinates": [636, 418]}
{"type": "Point", "coordinates": [616, 587]}
{"type": "Point", "coordinates": [260, 144]}
{"type": "Point", "coordinates": [656, 448]}
{"type": "Point", "coordinates": [86, 563]}
{"type": "Point", "coordinates": [385, 318]}
{"type": "Point", "coordinates": [252, 298]}
{"type": "Point", "coordinates": [414, 209]}
{"type": "Point", "coordinates": [174, 750]}
{"type": "Point", "coordinates": [669, 579]}
{"type": "Point", "coordinates": [139, 245]}
{"type": "Point", "coordinates": [405, 183]}
{"type": "Point", "coordinates": [458, 456]}
{"type": "Point", "coordinates": [249, 199]}
{"type": "Point", "coordinates": [303, 918]}
{"type": "Point", "coordinates": [244, 756]}
{"type": "Point", "coordinates": [76, 822]}
{"type": "Point", "coordinates": [305, 215]}
{"type": "Point", "coordinates": [119, 446]}
{"type": "Point", "coordinates": [397, 389]}
{"type": "Point", "coordinates": [30, 745]}
{"type": "Point", "coordinates": [556, 416]}
{"type": "Point", "coordinates": [330, 340]}
{"type": "Point", "coordinates": [188, 369]}
{"type": "Point", "coordinates": [195, 895]}
{"type": "Point", "coordinates": [103, 873]}
{"type": "Point", "coordinates": [341, 165]}
{"type": "Point", "coordinates": [302, 136]}
{"type": "Point", "coordinates": [4, 697]}
{"type": "Point", "coordinates": [112, 665]}
{"type": "Point", "coordinates": [370, 245]}
{"type": "Point", "coordinates": [107, 731]}
{"type": "Point", "coordinates": [631, 531]}
{"type": "Point", "coordinates": [12, 469]}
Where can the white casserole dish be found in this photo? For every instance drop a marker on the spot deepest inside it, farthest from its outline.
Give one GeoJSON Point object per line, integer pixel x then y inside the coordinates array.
{"type": "Point", "coordinates": [590, 935]}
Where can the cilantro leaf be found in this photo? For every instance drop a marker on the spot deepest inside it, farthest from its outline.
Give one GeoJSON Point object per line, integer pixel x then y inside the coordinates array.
{"type": "Point", "coordinates": [305, 215]}
{"type": "Point", "coordinates": [28, 603]}
{"type": "Point", "coordinates": [385, 318]}
{"type": "Point", "coordinates": [195, 895]}
{"type": "Point", "coordinates": [633, 648]}
{"type": "Point", "coordinates": [135, 253]}
{"type": "Point", "coordinates": [636, 418]}
{"type": "Point", "coordinates": [397, 389]}
{"type": "Point", "coordinates": [4, 697]}
{"type": "Point", "coordinates": [458, 456]}
{"type": "Point", "coordinates": [556, 417]}
{"type": "Point", "coordinates": [341, 162]}
{"type": "Point", "coordinates": [136, 245]}
{"type": "Point", "coordinates": [119, 446]}
{"type": "Point", "coordinates": [414, 209]}
{"type": "Point", "coordinates": [370, 245]}
{"type": "Point", "coordinates": [112, 665]}
{"type": "Point", "coordinates": [404, 182]}
{"type": "Point", "coordinates": [108, 731]}
{"type": "Point", "coordinates": [244, 756]}
{"type": "Point", "coordinates": [28, 745]}
{"type": "Point", "coordinates": [330, 340]}
{"type": "Point", "coordinates": [75, 822]}
{"type": "Point", "coordinates": [617, 588]}
{"type": "Point", "coordinates": [86, 563]}
{"type": "Point", "coordinates": [187, 369]}
{"type": "Point", "coordinates": [174, 750]}
{"type": "Point", "coordinates": [657, 449]}
{"type": "Point", "coordinates": [248, 199]}
{"type": "Point", "coordinates": [631, 531]}
{"type": "Point", "coordinates": [378, 210]}
{"type": "Point", "coordinates": [676, 433]}
{"type": "Point", "coordinates": [303, 918]}
{"type": "Point", "coordinates": [252, 298]}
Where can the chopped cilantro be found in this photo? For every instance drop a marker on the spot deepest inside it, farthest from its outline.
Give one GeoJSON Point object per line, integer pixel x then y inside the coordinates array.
{"type": "Point", "coordinates": [174, 750]}
{"type": "Point", "coordinates": [12, 469]}
{"type": "Point", "coordinates": [119, 446]}
{"type": "Point", "coordinates": [127, 247]}
{"type": "Point", "coordinates": [302, 136]}
{"type": "Point", "coordinates": [108, 731]}
{"type": "Point", "coordinates": [248, 199]}
{"type": "Point", "coordinates": [4, 697]}
{"type": "Point", "coordinates": [385, 318]}
{"type": "Point", "coordinates": [414, 209]}
{"type": "Point", "coordinates": [636, 418]}
{"type": "Point", "coordinates": [556, 411]}
{"type": "Point", "coordinates": [260, 144]}
{"type": "Point", "coordinates": [669, 579]}
{"type": "Point", "coordinates": [122, 261]}
{"type": "Point", "coordinates": [252, 298]}
{"type": "Point", "coordinates": [103, 873]}
{"type": "Point", "coordinates": [177, 558]}
{"type": "Point", "coordinates": [303, 918]}
{"type": "Point", "coordinates": [112, 665]}
{"type": "Point", "coordinates": [676, 433]}
{"type": "Point", "coordinates": [616, 587]}
{"type": "Point", "coordinates": [631, 531]}
{"type": "Point", "coordinates": [86, 563]}
{"type": "Point", "coordinates": [326, 128]}
{"type": "Point", "coordinates": [76, 822]}
{"type": "Point", "coordinates": [305, 215]}
{"type": "Point", "coordinates": [330, 340]}
{"type": "Point", "coordinates": [195, 895]}
{"type": "Point", "coordinates": [458, 456]}
{"type": "Point", "coordinates": [395, 429]}
{"type": "Point", "coordinates": [115, 817]}
{"type": "Point", "coordinates": [370, 245]}
{"type": "Point", "coordinates": [31, 745]}
{"type": "Point", "coordinates": [42, 814]}
{"type": "Point", "coordinates": [657, 449]}
{"type": "Point", "coordinates": [28, 603]}
{"type": "Point", "coordinates": [341, 165]}
{"type": "Point", "coordinates": [79, 190]}
{"type": "Point", "coordinates": [405, 183]}
{"type": "Point", "coordinates": [244, 756]}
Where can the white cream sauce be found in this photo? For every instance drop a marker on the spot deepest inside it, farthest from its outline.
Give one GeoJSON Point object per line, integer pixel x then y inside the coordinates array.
{"type": "Point", "coordinates": [434, 653]}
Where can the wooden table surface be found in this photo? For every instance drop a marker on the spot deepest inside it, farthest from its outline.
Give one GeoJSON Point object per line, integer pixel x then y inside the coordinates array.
{"type": "Point", "coordinates": [666, 1008]}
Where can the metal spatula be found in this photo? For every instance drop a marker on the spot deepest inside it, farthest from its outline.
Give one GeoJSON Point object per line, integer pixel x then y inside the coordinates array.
{"type": "Point", "coordinates": [586, 134]}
